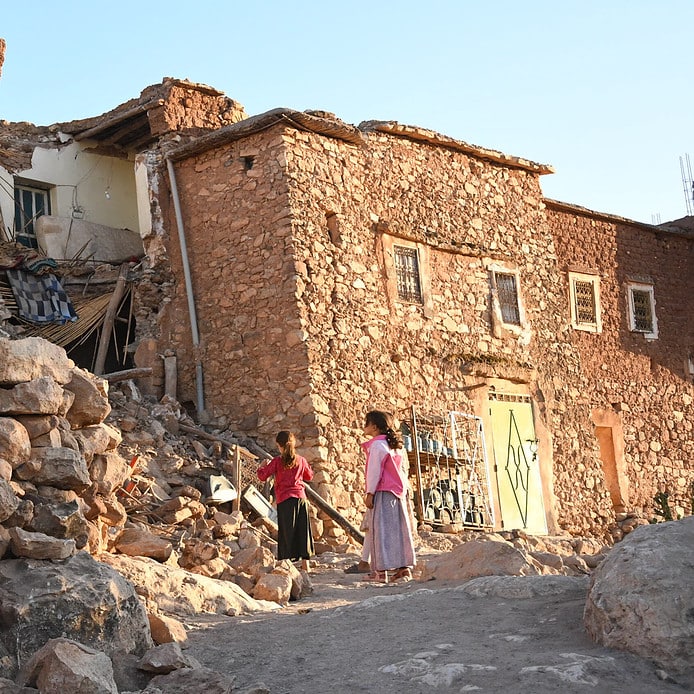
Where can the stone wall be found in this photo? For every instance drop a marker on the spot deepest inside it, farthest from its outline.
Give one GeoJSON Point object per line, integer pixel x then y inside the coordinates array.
{"type": "Point", "coordinates": [368, 349]}
{"type": "Point", "coordinates": [239, 242]}
{"type": "Point", "coordinates": [645, 382]}
{"type": "Point", "coordinates": [290, 238]}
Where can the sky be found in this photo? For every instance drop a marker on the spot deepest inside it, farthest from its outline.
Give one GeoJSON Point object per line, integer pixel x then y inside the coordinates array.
{"type": "Point", "coordinates": [601, 90]}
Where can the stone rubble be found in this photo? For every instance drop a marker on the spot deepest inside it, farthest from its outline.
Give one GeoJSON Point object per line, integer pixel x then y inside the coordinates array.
{"type": "Point", "coordinates": [109, 538]}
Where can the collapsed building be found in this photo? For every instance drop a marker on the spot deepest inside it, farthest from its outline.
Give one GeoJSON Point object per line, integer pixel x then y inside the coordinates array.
{"type": "Point", "coordinates": [291, 271]}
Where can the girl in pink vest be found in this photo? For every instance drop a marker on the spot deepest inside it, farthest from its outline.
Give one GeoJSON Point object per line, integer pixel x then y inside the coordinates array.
{"type": "Point", "coordinates": [390, 541]}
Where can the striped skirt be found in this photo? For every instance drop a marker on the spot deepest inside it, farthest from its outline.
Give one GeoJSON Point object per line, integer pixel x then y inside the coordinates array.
{"type": "Point", "coordinates": [390, 534]}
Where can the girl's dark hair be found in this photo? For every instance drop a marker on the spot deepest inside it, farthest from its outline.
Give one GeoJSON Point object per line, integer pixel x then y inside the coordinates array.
{"type": "Point", "coordinates": [385, 423]}
{"type": "Point", "coordinates": [288, 442]}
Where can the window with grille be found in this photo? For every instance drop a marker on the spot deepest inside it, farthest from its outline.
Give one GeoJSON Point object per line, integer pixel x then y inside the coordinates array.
{"type": "Point", "coordinates": [29, 204]}
{"type": "Point", "coordinates": [507, 292]}
{"type": "Point", "coordinates": [642, 317]}
{"type": "Point", "coordinates": [407, 271]}
{"type": "Point", "coordinates": [585, 302]}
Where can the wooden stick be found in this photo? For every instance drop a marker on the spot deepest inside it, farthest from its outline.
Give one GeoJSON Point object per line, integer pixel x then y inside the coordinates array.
{"type": "Point", "coordinates": [334, 514]}
{"type": "Point", "coordinates": [107, 325]}
{"type": "Point", "coordinates": [126, 375]}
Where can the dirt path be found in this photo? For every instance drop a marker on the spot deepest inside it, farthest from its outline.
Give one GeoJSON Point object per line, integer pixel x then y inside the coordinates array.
{"type": "Point", "coordinates": [351, 636]}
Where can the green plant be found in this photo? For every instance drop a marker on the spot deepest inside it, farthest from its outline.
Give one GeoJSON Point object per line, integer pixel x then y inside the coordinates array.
{"type": "Point", "coordinates": [662, 507]}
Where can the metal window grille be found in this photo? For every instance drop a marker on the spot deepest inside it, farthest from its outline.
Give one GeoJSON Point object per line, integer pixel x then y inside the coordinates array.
{"type": "Point", "coordinates": [407, 271]}
{"type": "Point", "coordinates": [584, 302]}
{"type": "Point", "coordinates": [29, 205]}
{"type": "Point", "coordinates": [643, 310]}
{"type": "Point", "coordinates": [508, 297]}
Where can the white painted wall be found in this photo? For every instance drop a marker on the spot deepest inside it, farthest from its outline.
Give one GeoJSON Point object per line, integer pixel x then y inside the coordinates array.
{"type": "Point", "coordinates": [91, 186]}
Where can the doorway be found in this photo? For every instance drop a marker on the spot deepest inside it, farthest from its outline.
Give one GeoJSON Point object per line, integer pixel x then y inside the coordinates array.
{"type": "Point", "coordinates": [517, 465]}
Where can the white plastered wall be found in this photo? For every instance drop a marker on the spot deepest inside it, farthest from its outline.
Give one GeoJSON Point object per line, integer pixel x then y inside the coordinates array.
{"type": "Point", "coordinates": [83, 184]}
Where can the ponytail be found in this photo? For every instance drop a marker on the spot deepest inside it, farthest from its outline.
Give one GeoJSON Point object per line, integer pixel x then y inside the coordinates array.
{"type": "Point", "coordinates": [287, 442]}
{"type": "Point", "coordinates": [384, 422]}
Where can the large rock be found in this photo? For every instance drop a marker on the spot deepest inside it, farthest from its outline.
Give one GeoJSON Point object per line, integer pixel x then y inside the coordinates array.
{"type": "Point", "coordinates": [91, 404]}
{"type": "Point", "coordinates": [487, 556]}
{"type": "Point", "coordinates": [15, 444]}
{"type": "Point", "coordinates": [39, 396]}
{"type": "Point", "coordinates": [62, 468]}
{"type": "Point", "coordinates": [64, 520]}
{"type": "Point", "coordinates": [63, 665]}
{"type": "Point", "coordinates": [39, 545]}
{"type": "Point", "coordinates": [78, 598]}
{"type": "Point", "coordinates": [179, 592]}
{"type": "Point", "coordinates": [191, 681]}
{"type": "Point", "coordinates": [30, 358]}
{"type": "Point", "coordinates": [140, 543]}
{"type": "Point", "coordinates": [8, 501]}
{"type": "Point", "coordinates": [641, 597]}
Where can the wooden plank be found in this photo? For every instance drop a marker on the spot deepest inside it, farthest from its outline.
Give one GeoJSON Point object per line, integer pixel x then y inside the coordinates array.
{"type": "Point", "coordinates": [322, 504]}
{"type": "Point", "coordinates": [117, 376]}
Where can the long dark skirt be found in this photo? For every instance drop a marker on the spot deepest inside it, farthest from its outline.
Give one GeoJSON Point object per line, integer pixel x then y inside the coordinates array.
{"type": "Point", "coordinates": [295, 540]}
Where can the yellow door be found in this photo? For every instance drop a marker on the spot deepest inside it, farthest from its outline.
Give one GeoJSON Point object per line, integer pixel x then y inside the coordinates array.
{"type": "Point", "coordinates": [516, 464]}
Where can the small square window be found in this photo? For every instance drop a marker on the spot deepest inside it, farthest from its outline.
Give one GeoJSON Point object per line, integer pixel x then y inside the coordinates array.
{"type": "Point", "coordinates": [407, 272]}
{"type": "Point", "coordinates": [507, 291]}
{"type": "Point", "coordinates": [584, 291]}
{"type": "Point", "coordinates": [642, 317]}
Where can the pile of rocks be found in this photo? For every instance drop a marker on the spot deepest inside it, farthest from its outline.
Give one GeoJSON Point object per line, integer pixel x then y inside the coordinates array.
{"type": "Point", "coordinates": [81, 508]}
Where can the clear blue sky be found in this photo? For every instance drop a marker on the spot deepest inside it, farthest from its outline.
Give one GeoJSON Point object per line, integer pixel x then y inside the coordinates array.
{"type": "Point", "coordinates": [600, 89]}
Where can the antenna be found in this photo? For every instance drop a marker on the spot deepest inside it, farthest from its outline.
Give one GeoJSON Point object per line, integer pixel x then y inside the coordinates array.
{"type": "Point", "coordinates": [687, 183]}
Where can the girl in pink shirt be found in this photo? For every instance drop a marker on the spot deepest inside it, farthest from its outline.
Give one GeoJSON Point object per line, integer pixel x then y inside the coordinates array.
{"type": "Point", "coordinates": [295, 540]}
{"type": "Point", "coordinates": [391, 546]}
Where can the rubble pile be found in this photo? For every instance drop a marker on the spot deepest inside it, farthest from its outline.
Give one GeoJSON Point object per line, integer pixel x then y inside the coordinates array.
{"type": "Point", "coordinates": [95, 485]}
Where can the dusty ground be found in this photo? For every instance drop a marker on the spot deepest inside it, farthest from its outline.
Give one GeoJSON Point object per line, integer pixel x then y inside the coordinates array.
{"type": "Point", "coordinates": [351, 636]}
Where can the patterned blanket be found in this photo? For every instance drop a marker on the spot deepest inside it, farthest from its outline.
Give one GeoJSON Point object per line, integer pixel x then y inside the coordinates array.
{"type": "Point", "coordinates": [40, 298]}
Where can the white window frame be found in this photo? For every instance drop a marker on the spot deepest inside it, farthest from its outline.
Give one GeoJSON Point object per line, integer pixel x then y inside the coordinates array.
{"type": "Point", "coordinates": [648, 289]}
{"type": "Point", "coordinates": [576, 322]}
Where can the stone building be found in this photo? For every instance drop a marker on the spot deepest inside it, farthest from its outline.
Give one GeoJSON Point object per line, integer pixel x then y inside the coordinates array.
{"type": "Point", "coordinates": [302, 270]}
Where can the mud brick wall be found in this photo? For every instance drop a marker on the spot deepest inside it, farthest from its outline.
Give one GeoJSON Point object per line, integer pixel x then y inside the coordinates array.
{"type": "Point", "coordinates": [646, 381]}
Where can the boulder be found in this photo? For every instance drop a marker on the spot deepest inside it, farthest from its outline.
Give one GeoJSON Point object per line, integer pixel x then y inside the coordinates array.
{"type": "Point", "coordinates": [487, 556]}
{"type": "Point", "coordinates": [63, 665]}
{"type": "Point", "coordinates": [166, 658]}
{"type": "Point", "coordinates": [190, 681]}
{"type": "Point", "coordinates": [62, 468]}
{"type": "Point", "coordinates": [15, 444]}
{"type": "Point", "coordinates": [30, 358]}
{"type": "Point", "coordinates": [179, 592]}
{"type": "Point", "coordinates": [166, 629]}
{"type": "Point", "coordinates": [40, 396]}
{"type": "Point", "coordinates": [91, 404]}
{"type": "Point", "coordinates": [78, 598]}
{"type": "Point", "coordinates": [141, 543]}
{"type": "Point", "coordinates": [274, 587]}
{"type": "Point", "coordinates": [8, 500]}
{"type": "Point", "coordinates": [641, 597]}
{"type": "Point", "coordinates": [65, 521]}
{"type": "Point", "coordinates": [39, 545]}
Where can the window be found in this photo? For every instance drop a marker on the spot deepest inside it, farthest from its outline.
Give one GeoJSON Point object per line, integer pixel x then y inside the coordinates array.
{"type": "Point", "coordinates": [29, 204]}
{"type": "Point", "coordinates": [407, 271]}
{"type": "Point", "coordinates": [507, 293]}
{"type": "Point", "coordinates": [584, 295]}
{"type": "Point", "coordinates": [641, 302]}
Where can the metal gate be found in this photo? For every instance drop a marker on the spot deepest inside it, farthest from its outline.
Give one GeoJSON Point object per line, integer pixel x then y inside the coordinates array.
{"type": "Point", "coordinates": [447, 454]}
